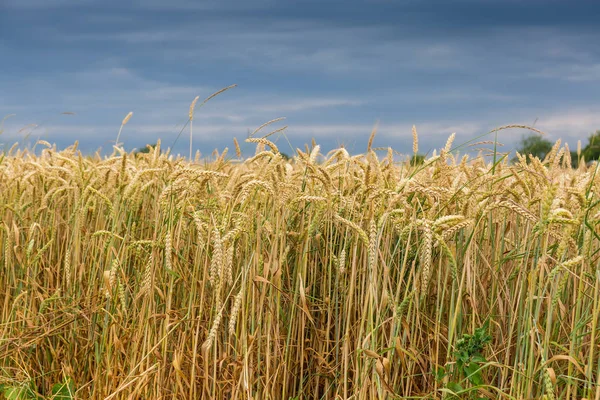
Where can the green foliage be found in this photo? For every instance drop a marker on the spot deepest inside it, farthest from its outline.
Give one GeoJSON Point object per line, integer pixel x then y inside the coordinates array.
{"type": "Point", "coordinates": [19, 392]}
{"type": "Point", "coordinates": [146, 149]}
{"type": "Point", "coordinates": [64, 390]}
{"type": "Point", "coordinates": [469, 362]}
{"type": "Point", "coordinates": [60, 391]}
{"type": "Point", "coordinates": [540, 147]}
{"type": "Point", "coordinates": [592, 150]}
{"type": "Point", "coordinates": [535, 145]}
{"type": "Point", "coordinates": [417, 159]}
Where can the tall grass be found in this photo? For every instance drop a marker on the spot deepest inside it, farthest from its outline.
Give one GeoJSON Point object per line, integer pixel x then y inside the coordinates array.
{"type": "Point", "coordinates": [323, 277]}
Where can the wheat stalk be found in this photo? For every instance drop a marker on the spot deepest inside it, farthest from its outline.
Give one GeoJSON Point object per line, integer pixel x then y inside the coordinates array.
{"type": "Point", "coordinates": [191, 118]}
{"type": "Point", "coordinates": [238, 151]}
{"type": "Point", "coordinates": [415, 138]}
{"type": "Point", "coordinates": [125, 121]}
{"type": "Point", "coordinates": [313, 262]}
{"type": "Point", "coordinates": [235, 310]}
{"type": "Point", "coordinates": [372, 136]}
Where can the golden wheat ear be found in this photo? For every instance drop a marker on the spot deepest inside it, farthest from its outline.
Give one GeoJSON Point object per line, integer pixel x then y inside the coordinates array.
{"type": "Point", "coordinates": [123, 123]}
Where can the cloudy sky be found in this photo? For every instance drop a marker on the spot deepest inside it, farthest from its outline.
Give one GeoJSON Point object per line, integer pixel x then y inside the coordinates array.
{"type": "Point", "coordinates": [331, 67]}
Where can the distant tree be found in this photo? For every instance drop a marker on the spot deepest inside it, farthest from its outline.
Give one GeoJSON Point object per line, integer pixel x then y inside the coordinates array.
{"type": "Point", "coordinates": [535, 145]}
{"type": "Point", "coordinates": [592, 150]}
{"type": "Point", "coordinates": [146, 149]}
{"type": "Point", "coordinates": [417, 159]}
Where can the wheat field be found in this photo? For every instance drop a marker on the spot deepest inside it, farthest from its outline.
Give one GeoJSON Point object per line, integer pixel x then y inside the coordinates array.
{"type": "Point", "coordinates": [325, 276]}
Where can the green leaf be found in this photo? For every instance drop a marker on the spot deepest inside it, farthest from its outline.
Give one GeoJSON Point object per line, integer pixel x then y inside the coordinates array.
{"type": "Point", "coordinates": [478, 359]}
{"type": "Point", "coordinates": [473, 374]}
{"type": "Point", "coordinates": [173, 273]}
{"type": "Point", "coordinates": [17, 393]}
{"type": "Point", "coordinates": [440, 373]}
{"type": "Point", "coordinates": [455, 387]}
{"type": "Point", "coordinates": [64, 391]}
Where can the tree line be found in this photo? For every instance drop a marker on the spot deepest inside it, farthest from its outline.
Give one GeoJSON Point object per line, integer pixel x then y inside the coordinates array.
{"type": "Point", "coordinates": [538, 146]}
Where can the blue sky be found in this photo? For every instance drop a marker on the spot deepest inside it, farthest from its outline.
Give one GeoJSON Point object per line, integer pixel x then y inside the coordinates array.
{"type": "Point", "coordinates": [332, 68]}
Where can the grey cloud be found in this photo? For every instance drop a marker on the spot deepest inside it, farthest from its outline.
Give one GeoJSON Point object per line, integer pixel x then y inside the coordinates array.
{"type": "Point", "coordinates": [333, 68]}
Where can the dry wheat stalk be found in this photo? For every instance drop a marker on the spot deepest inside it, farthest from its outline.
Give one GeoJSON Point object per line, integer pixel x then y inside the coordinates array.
{"type": "Point", "coordinates": [372, 244]}
{"type": "Point", "coordinates": [216, 262]}
{"type": "Point", "coordinates": [415, 138]}
{"type": "Point", "coordinates": [238, 151]}
{"type": "Point", "coordinates": [229, 264]}
{"type": "Point", "coordinates": [67, 267]}
{"type": "Point", "coordinates": [372, 136]}
{"type": "Point", "coordinates": [264, 141]}
{"type": "Point", "coordinates": [237, 303]}
{"type": "Point", "coordinates": [361, 233]}
{"type": "Point", "coordinates": [426, 257]}
{"type": "Point", "coordinates": [146, 284]}
{"type": "Point", "coordinates": [168, 251]}
{"type": "Point", "coordinates": [212, 334]}
{"type": "Point", "coordinates": [125, 121]}
{"type": "Point", "coordinates": [266, 124]}
{"type": "Point", "coordinates": [342, 261]}
{"type": "Point", "coordinates": [313, 154]}
{"type": "Point", "coordinates": [531, 226]}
